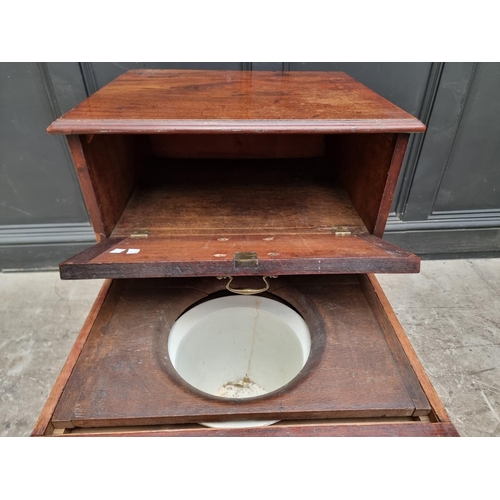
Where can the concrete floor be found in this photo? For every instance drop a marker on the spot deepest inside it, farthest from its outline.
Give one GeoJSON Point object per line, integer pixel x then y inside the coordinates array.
{"type": "Point", "coordinates": [451, 312]}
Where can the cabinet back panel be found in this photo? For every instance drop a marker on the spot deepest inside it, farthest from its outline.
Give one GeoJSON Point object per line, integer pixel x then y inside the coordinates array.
{"type": "Point", "coordinates": [237, 146]}
{"type": "Point", "coordinates": [181, 196]}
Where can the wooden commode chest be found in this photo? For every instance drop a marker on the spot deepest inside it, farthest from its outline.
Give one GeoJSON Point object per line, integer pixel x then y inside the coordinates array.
{"type": "Point", "coordinates": [282, 182]}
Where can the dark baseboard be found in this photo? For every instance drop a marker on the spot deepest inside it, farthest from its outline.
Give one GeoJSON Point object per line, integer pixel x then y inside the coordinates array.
{"type": "Point", "coordinates": [38, 257]}
{"type": "Point", "coordinates": [43, 246]}
{"type": "Point", "coordinates": [448, 243]}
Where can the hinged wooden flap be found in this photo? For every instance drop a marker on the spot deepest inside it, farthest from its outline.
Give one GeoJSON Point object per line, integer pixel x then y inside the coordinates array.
{"type": "Point", "coordinates": [285, 254]}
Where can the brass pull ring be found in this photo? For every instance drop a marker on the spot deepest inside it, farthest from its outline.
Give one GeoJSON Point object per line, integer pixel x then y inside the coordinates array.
{"type": "Point", "coordinates": [246, 291]}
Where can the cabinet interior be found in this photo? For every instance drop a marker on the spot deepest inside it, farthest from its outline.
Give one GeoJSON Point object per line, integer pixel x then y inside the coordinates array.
{"type": "Point", "coordinates": [202, 184]}
{"type": "Point", "coordinates": [192, 204]}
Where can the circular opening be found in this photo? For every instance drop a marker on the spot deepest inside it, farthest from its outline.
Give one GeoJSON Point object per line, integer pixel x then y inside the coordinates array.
{"type": "Point", "coordinates": [239, 347]}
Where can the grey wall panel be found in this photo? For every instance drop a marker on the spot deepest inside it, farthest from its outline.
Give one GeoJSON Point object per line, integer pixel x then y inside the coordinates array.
{"type": "Point", "coordinates": [471, 181]}
{"type": "Point", "coordinates": [439, 139]}
{"type": "Point", "coordinates": [68, 85]}
{"type": "Point", "coordinates": [449, 243]}
{"type": "Point", "coordinates": [268, 66]}
{"type": "Point", "coordinates": [39, 256]}
{"type": "Point", "coordinates": [453, 206]}
{"type": "Point", "coordinates": [37, 185]}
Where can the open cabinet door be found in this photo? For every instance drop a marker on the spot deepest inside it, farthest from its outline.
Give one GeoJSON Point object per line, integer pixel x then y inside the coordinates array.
{"type": "Point", "coordinates": [236, 255]}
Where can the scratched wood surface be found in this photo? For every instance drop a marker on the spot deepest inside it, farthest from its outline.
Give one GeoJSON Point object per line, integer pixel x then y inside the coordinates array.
{"type": "Point", "coordinates": [43, 425]}
{"type": "Point", "coordinates": [214, 196]}
{"type": "Point", "coordinates": [368, 167]}
{"type": "Point", "coordinates": [388, 319]}
{"type": "Point", "coordinates": [112, 164]}
{"type": "Point", "coordinates": [123, 375]}
{"type": "Point", "coordinates": [159, 101]}
{"type": "Point", "coordinates": [174, 256]}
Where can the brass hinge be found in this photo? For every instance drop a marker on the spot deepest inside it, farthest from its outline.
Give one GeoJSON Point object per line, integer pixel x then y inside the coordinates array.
{"type": "Point", "coordinates": [140, 234]}
{"type": "Point", "coordinates": [341, 231]}
{"type": "Point", "coordinates": [246, 259]}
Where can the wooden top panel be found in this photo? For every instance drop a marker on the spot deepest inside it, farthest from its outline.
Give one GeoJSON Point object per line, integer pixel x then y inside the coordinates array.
{"type": "Point", "coordinates": [166, 101]}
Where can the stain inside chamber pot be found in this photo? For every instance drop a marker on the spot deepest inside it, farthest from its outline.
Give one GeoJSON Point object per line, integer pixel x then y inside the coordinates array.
{"type": "Point", "coordinates": [243, 388]}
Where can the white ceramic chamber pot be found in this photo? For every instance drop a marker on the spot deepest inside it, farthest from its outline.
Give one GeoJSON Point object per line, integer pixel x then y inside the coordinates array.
{"type": "Point", "coordinates": [239, 347]}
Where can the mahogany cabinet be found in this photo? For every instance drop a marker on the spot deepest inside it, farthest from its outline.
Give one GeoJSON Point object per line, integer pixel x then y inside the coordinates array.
{"type": "Point", "coordinates": [190, 176]}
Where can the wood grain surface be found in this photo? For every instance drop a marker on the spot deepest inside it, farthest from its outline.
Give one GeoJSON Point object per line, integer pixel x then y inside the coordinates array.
{"type": "Point", "coordinates": [410, 429]}
{"type": "Point", "coordinates": [161, 101]}
{"type": "Point", "coordinates": [389, 320]}
{"type": "Point", "coordinates": [214, 196]}
{"type": "Point", "coordinates": [368, 167]}
{"type": "Point", "coordinates": [86, 185]}
{"type": "Point", "coordinates": [112, 164]}
{"type": "Point", "coordinates": [123, 376]}
{"type": "Point", "coordinates": [43, 425]}
{"type": "Point", "coordinates": [391, 180]}
{"type": "Point", "coordinates": [192, 256]}
{"type": "Point", "coordinates": [237, 145]}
